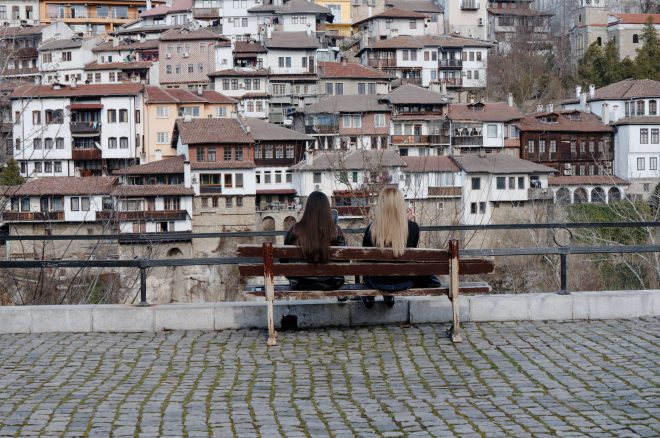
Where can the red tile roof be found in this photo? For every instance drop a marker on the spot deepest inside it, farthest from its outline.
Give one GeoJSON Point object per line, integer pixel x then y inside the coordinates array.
{"type": "Point", "coordinates": [432, 163]}
{"type": "Point", "coordinates": [204, 33]}
{"type": "Point", "coordinates": [586, 180]}
{"type": "Point", "coordinates": [155, 94]}
{"type": "Point", "coordinates": [79, 91]}
{"type": "Point", "coordinates": [484, 112]}
{"type": "Point", "coordinates": [220, 130]}
{"type": "Point", "coordinates": [177, 6]}
{"type": "Point", "coordinates": [153, 190]}
{"type": "Point", "coordinates": [641, 120]}
{"type": "Point", "coordinates": [118, 65]}
{"type": "Point", "coordinates": [587, 123]}
{"type": "Point", "coordinates": [65, 185]}
{"type": "Point", "coordinates": [241, 73]}
{"type": "Point", "coordinates": [636, 18]}
{"type": "Point", "coordinates": [123, 45]}
{"type": "Point", "coordinates": [394, 13]}
{"type": "Point", "coordinates": [625, 89]}
{"type": "Point", "coordinates": [248, 47]}
{"type": "Point", "coordinates": [203, 165]}
{"type": "Point", "coordinates": [349, 70]}
{"type": "Point", "coordinates": [165, 166]}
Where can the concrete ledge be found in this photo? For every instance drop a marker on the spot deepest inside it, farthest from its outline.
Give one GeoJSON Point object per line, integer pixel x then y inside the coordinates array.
{"type": "Point", "coordinates": [328, 313]}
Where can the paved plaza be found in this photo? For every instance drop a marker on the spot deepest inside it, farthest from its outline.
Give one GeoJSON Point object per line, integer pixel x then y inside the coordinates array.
{"type": "Point", "coordinates": [598, 378]}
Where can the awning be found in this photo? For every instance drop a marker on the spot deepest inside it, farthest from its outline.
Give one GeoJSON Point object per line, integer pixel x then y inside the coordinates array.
{"type": "Point", "coordinates": [85, 106]}
{"type": "Point", "coordinates": [276, 192]}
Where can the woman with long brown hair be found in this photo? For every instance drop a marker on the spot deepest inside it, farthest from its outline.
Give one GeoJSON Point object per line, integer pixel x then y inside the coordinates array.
{"type": "Point", "coordinates": [315, 233]}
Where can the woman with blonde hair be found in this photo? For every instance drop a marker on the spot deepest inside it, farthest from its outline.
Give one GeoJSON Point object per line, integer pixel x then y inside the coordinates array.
{"type": "Point", "coordinates": [391, 228]}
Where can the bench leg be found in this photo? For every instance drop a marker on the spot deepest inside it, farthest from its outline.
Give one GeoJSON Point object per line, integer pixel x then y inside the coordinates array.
{"type": "Point", "coordinates": [270, 297]}
{"type": "Point", "coordinates": [455, 330]}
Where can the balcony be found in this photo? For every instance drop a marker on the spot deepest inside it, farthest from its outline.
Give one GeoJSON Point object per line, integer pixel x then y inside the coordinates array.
{"type": "Point", "coordinates": [11, 72]}
{"type": "Point", "coordinates": [352, 210]}
{"type": "Point", "coordinates": [86, 154]}
{"type": "Point", "coordinates": [210, 189]}
{"type": "Point", "coordinates": [540, 194]}
{"type": "Point", "coordinates": [445, 192]}
{"type": "Point", "coordinates": [207, 13]}
{"type": "Point", "coordinates": [321, 129]}
{"type": "Point", "coordinates": [36, 216]}
{"type": "Point", "coordinates": [420, 139]}
{"type": "Point", "coordinates": [470, 5]}
{"type": "Point", "coordinates": [85, 16]}
{"type": "Point", "coordinates": [397, 82]}
{"type": "Point", "coordinates": [85, 128]}
{"type": "Point", "coordinates": [450, 63]}
{"type": "Point", "coordinates": [452, 82]}
{"type": "Point", "coordinates": [148, 215]}
{"type": "Point", "coordinates": [380, 62]}
{"type": "Point", "coordinates": [470, 140]}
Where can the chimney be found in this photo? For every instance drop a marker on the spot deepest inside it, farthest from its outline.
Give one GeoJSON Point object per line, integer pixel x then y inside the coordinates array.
{"type": "Point", "coordinates": [550, 108]}
{"type": "Point", "coordinates": [343, 62]}
{"type": "Point", "coordinates": [115, 41]}
{"type": "Point", "coordinates": [615, 113]}
{"type": "Point", "coordinates": [200, 90]}
{"type": "Point", "coordinates": [148, 4]}
{"type": "Point", "coordinates": [309, 29]}
{"type": "Point", "coordinates": [443, 87]}
{"type": "Point", "coordinates": [592, 91]}
{"type": "Point", "coordinates": [37, 80]}
{"type": "Point", "coordinates": [482, 153]}
{"type": "Point", "coordinates": [269, 31]}
{"type": "Point", "coordinates": [583, 102]}
{"type": "Point", "coordinates": [309, 158]}
{"type": "Point", "coordinates": [187, 177]}
{"type": "Point", "coordinates": [509, 99]}
{"type": "Point", "coordinates": [471, 100]}
{"type": "Point", "coordinates": [578, 91]}
{"type": "Point", "coordinates": [370, 12]}
{"type": "Point", "coordinates": [539, 108]}
{"type": "Point", "coordinates": [74, 81]}
{"type": "Point", "coordinates": [158, 154]}
{"type": "Point", "coordinates": [605, 116]}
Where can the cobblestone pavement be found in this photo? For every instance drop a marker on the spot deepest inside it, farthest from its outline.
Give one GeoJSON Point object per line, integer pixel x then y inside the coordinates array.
{"type": "Point", "coordinates": [506, 379]}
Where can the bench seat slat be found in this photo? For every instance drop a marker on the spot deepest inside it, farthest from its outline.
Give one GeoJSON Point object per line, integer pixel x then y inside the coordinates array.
{"type": "Point", "coordinates": [338, 253]}
{"type": "Point", "coordinates": [360, 290]}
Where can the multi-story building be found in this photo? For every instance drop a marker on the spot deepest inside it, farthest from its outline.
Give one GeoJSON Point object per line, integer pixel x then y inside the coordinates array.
{"type": "Point", "coordinates": [346, 122]}
{"type": "Point", "coordinates": [468, 18]}
{"type": "Point", "coordinates": [79, 129]}
{"type": "Point", "coordinates": [515, 20]}
{"type": "Point", "coordinates": [435, 21]}
{"type": "Point", "coordinates": [126, 50]}
{"type": "Point", "coordinates": [626, 31]}
{"type": "Point", "coordinates": [484, 126]}
{"type": "Point", "coordinates": [249, 87]}
{"type": "Point", "coordinates": [632, 107]}
{"type": "Point", "coordinates": [392, 22]}
{"type": "Point", "coordinates": [172, 13]}
{"type": "Point", "coordinates": [276, 149]}
{"type": "Point", "coordinates": [188, 56]}
{"type": "Point", "coordinates": [337, 78]}
{"type": "Point", "coordinates": [249, 54]}
{"type": "Point", "coordinates": [341, 17]}
{"type": "Point", "coordinates": [434, 177]}
{"type": "Point", "coordinates": [18, 51]}
{"type": "Point", "coordinates": [6, 123]}
{"type": "Point", "coordinates": [419, 124]}
{"type": "Point", "coordinates": [163, 106]}
{"type": "Point", "coordinates": [91, 16]}
{"type": "Point", "coordinates": [19, 12]}
{"type": "Point", "coordinates": [63, 59]}
{"type": "Point", "coordinates": [292, 16]}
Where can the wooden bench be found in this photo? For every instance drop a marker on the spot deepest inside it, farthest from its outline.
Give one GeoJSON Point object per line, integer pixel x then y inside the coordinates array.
{"type": "Point", "coordinates": [351, 261]}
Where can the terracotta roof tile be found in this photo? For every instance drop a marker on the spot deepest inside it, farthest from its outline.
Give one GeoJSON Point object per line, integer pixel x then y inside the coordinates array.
{"type": "Point", "coordinates": [66, 185]}
{"type": "Point", "coordinates": [394, 13]}
{"type": "Point", "coordinates": [486, 112]}
{"type": "Point", "coordinates": [587, 123]}
{"type": "Point", "coordinates": [155, 94]}
{"type": "Point", "coordinates": [347, 103]}
{"type": "Point", "coordinates": [427, 6]}
{"type": "Point", "coordinates": [643, 120]}
{"type": "Point", "coordinates": [20, 31]}
{"type": "Point", "coordinates": [498, 164]}
{"type": "Point", "coordinates": [240, 73]}
{"type": "Point", "coordinates": [204, 33]}
{"type": "Point", "coordinates": [248, 47]}
{"type": "Point", "coordinates": [118, 65]}
{"type": "Point", "coordinates": [171, 165]}
{"type": "Point", "coordinates": [292, 40]}
{"type": "Point", "coordinates": [411, 94]}
{"type": "Point", "coordinates": [153, 190]}
{"type": "Point", "coordinates": [586, 180]}
{"type": "Point", "coordinates": [350, 160]}
{"type": "Point", "coordinates": [218, 130]}
{"type": "Point", "coordinates": [349, 70]}
{"type": "Point", "coordinates": [79, 91]}
{"type": "Point", "coordinates": [199, 165]}
{"type": "Point", "coordinates": [625, 89]}
{"type": "Point", "coordinates": [413, 42]}
{"type": "Point", "coordinates": [137, 45]}
{"type": "Point", "coordinates": [636, 18]}
{"type": "Point", "coordinates": [432, 163]}
{"type": "Point", "coordinates": [260, 130]}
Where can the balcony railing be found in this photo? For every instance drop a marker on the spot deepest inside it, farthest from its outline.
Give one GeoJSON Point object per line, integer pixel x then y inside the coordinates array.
{"type": "Point", "coordinates": [322, 129]}
{"type": "Point", "coordinates": [446, 192]}
{"type": "Point", "coordinates": [404, 81]}
{"type": "Point", "coordinates": [452, 82]}
{"type": "Point", "coordinates": [352, 210]}
{"type": "Point", "coordinates": [85, 127]}
{"type": "Point", "coordinates": [210, 189]}
{"type": "Point", "coordinates": [9, 72]}
{"type": "Point", "coordinates": [476, 140]}
{"type": "Point", "coordinates": [148, 215]}
{"type": "Point", "coordinates": [540, 194]}
{"type": "Point", "coordinates": [380, 62]}
{"type": "Point", "coordinates": [450, 63]}
{"type": "Point", "coordinates": [86, 154]}
{"type": "Point", "coordinates": [470, 5]}
{"type": "Point", "coordinates": [93, 15]}
{"type": "Point", "coordinates": [207, 13]}
{"type": "Point", "coordinates": [36, 216]}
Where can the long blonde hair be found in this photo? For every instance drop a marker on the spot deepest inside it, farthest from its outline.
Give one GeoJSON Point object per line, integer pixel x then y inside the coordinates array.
{"type": "Point", "coordinates": [390, 226]}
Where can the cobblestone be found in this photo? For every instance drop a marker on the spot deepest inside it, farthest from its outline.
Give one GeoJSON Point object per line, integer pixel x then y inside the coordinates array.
{"type": "Point", "coordinates": [598, 378]}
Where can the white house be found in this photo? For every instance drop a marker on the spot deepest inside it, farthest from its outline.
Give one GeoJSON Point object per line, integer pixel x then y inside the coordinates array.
{"type": "Point", "coordinates": [63, 59]}
{"type": "Point", "coordinates": [467, 18]}
{"type": "Point", "coordinates": [391, 23]}
{"type": "Point", "coordinates": [431, 177]}
{"type": "Point", "coordinates": [79, 129]}
{"type": "Point", "coordinates": [493, 180]}
{"type": "Point", "coordinates": [248, 86]}
{"type": "Point", "coordinates": [483, 126]}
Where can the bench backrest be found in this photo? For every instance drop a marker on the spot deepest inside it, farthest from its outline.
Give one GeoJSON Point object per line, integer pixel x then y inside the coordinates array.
{"type": "Point", "coordinates": [363, 261]}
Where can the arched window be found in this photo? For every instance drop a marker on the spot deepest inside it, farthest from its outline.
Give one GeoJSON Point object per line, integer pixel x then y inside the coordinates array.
{"type": "Point", "coordinates": [653, 107]}
{"type": "Point", "coordinates": [599, 41]}
{"type": "Point", "coordinates": [640, 108]}
{"type": "Point", "coordinates": [635, 39]}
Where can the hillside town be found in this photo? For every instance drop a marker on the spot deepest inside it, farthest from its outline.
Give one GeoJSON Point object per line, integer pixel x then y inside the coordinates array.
{"type": "Point", "coordinates": [192, 116]}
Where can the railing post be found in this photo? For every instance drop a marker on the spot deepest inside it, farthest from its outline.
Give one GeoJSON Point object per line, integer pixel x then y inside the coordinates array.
{"type": "Point", "coordinates": [143, 286]}
{"type": "Point", "coordinates": [563, 271]}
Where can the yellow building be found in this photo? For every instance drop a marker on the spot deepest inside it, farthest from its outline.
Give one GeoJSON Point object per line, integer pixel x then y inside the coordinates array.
{"type": "Point", "coordinates": [341, 9]}
{"type": "Point", "coordinates": [94, 16]}
{"type": "Point", "coordinates": [163, 106]}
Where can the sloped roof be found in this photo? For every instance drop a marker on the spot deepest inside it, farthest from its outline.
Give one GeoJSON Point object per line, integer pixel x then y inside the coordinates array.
{"type": "Point", "coordinates": [431, 163]}
{"type": "Point", "coordinates": [248, 47]}
{"type": "Point", "coordinates": [155, 94]}
{"type": "Point", "coordinates": [204, 33]}
{"type": "Point", "coordinates": [519, 12]}
{"type": "Point", "coordinates": [587, 122]}
{"type": "Point", "coordinates": [291, 40]}
{"type": "Point", "coordinates": [488, 112]}
{"type": "Point", "coordinates": [124, 45]}
{"type": "Point", "coordinates": [498, 164]}
{"type": "Point", "coordinates": [412, 94]}
{"type": "Point", "coordinates": [394, 13]}
{"type": "Point", "coordinates": [347, 104]}
{"type": "Point", "coordinates": [261, 130]}
{"type": "Point", "coordinates": [211, 165]}
{"type": "Point", "coordinates": [636, 18]}
{"type": "Point", "coordinates": [65, 185]}
{"type": "Point", "coordinates": [641, 120]}
{"type": "Point", "coordinates": [59, 44]}
{"type": "Point", "coordinates": [417, 42]}
{"type": "Point", "coordinates": [293, 7]}
{"type": "Point", "coordinates": [170, 165]}
{"type": "Point", "coordinates": [153, 190]}
{"type": "Point", "coordinates": [242, 73]}
{"type": "Point", "coordinates": [350, 160]}
{"type": "Point", "coordinates": [177, 6]}
{"type": "Point", "coordinates": [586, 180]}
{"type": "Point", "coordinates": [352, 70]}
{"type": "Point", "coordinates": [427, 6]}
{"type": "Point", "coordinates": [20, 31]}
{"type": "Point", "coordinates": [78, 91]}
{"type": "Point", "coordinates": [118, 65]}
{"type": "Point", "coordinates": [217, 130]}
{"type": "Point", "coordinates": [625, 89]}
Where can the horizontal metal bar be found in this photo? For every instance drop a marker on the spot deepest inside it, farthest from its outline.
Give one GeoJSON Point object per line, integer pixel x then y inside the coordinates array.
{"type": "Point", "coordinates": [548, 250]}
{"type": "Point", "coordinates": [169, 237]}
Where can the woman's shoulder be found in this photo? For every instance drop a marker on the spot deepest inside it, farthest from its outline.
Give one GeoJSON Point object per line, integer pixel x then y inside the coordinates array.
{"type": "Point", "coordinates": [413, 225]}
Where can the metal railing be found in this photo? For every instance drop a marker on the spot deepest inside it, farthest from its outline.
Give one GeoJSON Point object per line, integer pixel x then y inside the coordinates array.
{"type": "Point", "coordinates": [143, 264]}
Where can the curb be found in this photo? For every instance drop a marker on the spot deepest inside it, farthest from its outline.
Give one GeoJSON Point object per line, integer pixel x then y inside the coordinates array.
{"type": "Point", "coordinates": [328, 313]}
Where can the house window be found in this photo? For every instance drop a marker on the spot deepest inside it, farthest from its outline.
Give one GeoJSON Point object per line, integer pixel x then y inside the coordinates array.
{"type": "Point", "coordinates": [640, 163]}
{"type": "Point", "coordinates": [267, 177]}
{"type": "Point", "coordinates": [640, 107]}
{"type": "Point", "coordinates": [512, 182]}
{"type": "Point", "coordinates": [123, 116]}
{"type": "Point", "coordinates": [339, 88]}
{"type": "Point", "coordinates": [228, 180]}
{"type": "Point", "coordinates": [654, 135]}
{"type": "Point", "coordinates": [361, 88]}
{"type": "Point", "coordinates": [279, 151]}
{"type": "Point", "coordinates": [521, 183]}
{"type": "Point", "coordinates": [226, 153]}
{"type": "Point", "coordinates": [530, 146]}
{"type": "Point", "coordinates": [48, 143]}
{"type": "Point", "coordinates": [635, 39]}
{"type": "Point", "coordinates": [653, 163]}
{"type": "Point", "coordinates": [476, 183]}
{"type": "Point", "coordinates": [137, 116]}
{"type": "Point", "coordinates": [268, 151]}
{"type": "Point", "coordinates": [553, 146]}
{"type": "Point", "coordinates": [36, 143]}
{"type": "Point", "coordinates": [653, 107]}
{"type": "Point", "coordinates": [482, 207]}
{"type": "Point", "coordinates": [162, 137]}
{"type": "Point", "coordinates": [59, 143]}
{"type": "Point", "coordinates": [289, 151]}
{"type": "Point", "coordinates": [228, 201]}
{"type": "Point", "coordinates": [36, 117]}
{"type": "Point", "coordinates": [541, 146]}
{"type": "Point", "coordinates": [492, 131]}
{"type": "Point", "coordinates": [66, 56]}
{"type": "Point", "coordinates": [583, 147]}
{"type": "Point", "coordinates": [200, 154]}
{"type": "Point", "coordinates": [573, 147]}
{"type": "Point", "coordinates": [123, 142]}
{"type": "Point", "coordinates": [501, 183]}
{"type": "Point", "coordinates": [239, 180]}
{"type": "Point", "coordinates": [37, 167]}
{"type": "Point", "coordinates": [379, 120]}
{"type": "Point", "coordinates": [352, 121]}
{"type": "Point", "coordinates": [112, 116]}
{"type": "Point", "coordinates": [162, 112]}
{"type": "Point", "coordinates": [329, 88]}
{"type": "Point", "coordinates": [221, 112]}
{"type": "Point", "coordinates": [644, 136]}
{"type": "Point", "coordinates": [413, 23]}
{"type": "Point", "coordinates": [112, 143]}
{"type": "Point", "coordinates": [317, 177]}
{"type": "Point", "coordinates": [238, 153]}
{"type": "Point", "coordinates": [75, 204]}
{"type": "Point", "coordinates": [225, 84]}
{"type": "Point", "coordinates": [473, 208]}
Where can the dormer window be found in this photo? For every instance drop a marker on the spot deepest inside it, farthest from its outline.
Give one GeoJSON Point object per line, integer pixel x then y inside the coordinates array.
{"type": "Point", "coordinates": [550, 119]}
{"type": "Point", "coordinates": [573, 116]}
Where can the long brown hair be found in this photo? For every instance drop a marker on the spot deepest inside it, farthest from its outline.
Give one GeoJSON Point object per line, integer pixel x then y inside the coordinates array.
{"type": "Point", "coordinates": [390, 226]}
{"type": "Point", "coordinates": [316, 230]}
